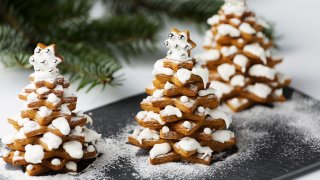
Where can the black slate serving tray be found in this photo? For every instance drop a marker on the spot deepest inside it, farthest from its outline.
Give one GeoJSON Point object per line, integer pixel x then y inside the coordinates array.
{"type": "Point", "coordinates": [277, 140]}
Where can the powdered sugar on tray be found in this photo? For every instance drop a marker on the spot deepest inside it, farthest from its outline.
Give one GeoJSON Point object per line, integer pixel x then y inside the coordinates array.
{"type": "Point", "coordinates": [298, 118]}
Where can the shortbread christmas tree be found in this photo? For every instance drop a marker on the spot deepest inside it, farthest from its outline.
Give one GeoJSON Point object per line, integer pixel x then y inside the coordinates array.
{"type": "Point", "coordinates": [181, 118]}
{"type": "Point", "coordinates": [238, 55]}
{"type": "Point", "coordinates": [49, 136]}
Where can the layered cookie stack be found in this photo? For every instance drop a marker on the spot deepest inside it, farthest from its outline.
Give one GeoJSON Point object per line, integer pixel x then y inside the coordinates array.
{"type": "Point", "coordinates": [181, 118]}
{"type": "Point", "coordinates": [48, 136]}
{"type": "Point", "coordinates": [239, 57]}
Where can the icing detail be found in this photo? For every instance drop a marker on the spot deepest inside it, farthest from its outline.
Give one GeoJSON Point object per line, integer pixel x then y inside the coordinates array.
{"type": "Point", "coordinates": [256, 50]}
{"type": "Point", "coordinates": [187, 125]}
{"type": "Point", "coordinates": [241, 61]}
{"type": "Point", "coordinates": [237, 8]}
{"type": "Point", "coordinates": [74, 149]}
{"type": "Point", "coordinates": [210, 55]}
{"type": "Point", "coordinates": [168, 86]}
{"type": "Point", "coordinates": [64, 109]}
{"type": "Point", "coordinates": [206, 92]}
{"type": "Point", "coordinates": [9, 138]}
{"type": "Point", "coordinates": [90, 135]}
{"type": "Point", "coordinates": [159, 149]}
{"type": "Point", "coordinates": [207, 130]}
{"type": "Point", "coordinates": [149, 116]}
{"type": "Point", "coordinates": [32, 97]}
{"type": "Point", "coordinates": [226, 71]}
{"type": "Point", "coordinates": [221, 88]}
{"type": "Point", "coordinates": [71, 166]}
{"type": "Point", "coordinates": [260, 90]}
{"type": "Point", "coordinates": [34, 154]}
{"type": "Point", "coordinates": [160, 69]}
{"type": "Point", "coordinates": [259, 70]}
{"type": "Point", "coordinates": [56, 162]}
{"type": "Point", "coordinates": [222, 135]}
{"type": "Point", "coordinates": [228, 51]}
{"type": "Point", "coordinates": [218, 113]}
{"type": "Point", "coordinates": [235, 21]}
{"type": "Point", "coordinates": [202, 72]}
{"type": "Point", "coordinates": [171, 111]}
{"type": "Point", "coordinates": [30, 126]}
{"type": "Point", "coordinates": [236, 102]}
{"type": "Point", "coordinates": [184, 99]}
{"type": "Point", "coordinates": [20, 135]}
{"type": "Point", "coordinates": [200, 109]}
{"type": "Point", "coordinates": [29, 167]}
{"type": "Point", "coordinates": [247, 28]}
{"type": "Point", "coordinates": [178, 45]}
{"type": "Point", "coordinates": [51, 140]}
{"type": "Point", "coordinates": [62, 125]}
{"type": "Point", "coordinates": [190, 144]}
{"type": "Point", "coordinates": [146, 134]}
{"type": "Point", "coordinates": [238, 80]}
{"type": "Point", "coordinates": [158, 93]}
{"type": "Point", "coordinates": [44, 111]}
{"type": "Point", "coordinates": [183, 75]}
{"type": "Point", "coordinates": [278, 92]}
{"type": "Point", "coordinates": [42, 90]}
{"type": "Point", "coordinates": [165, 129]}
{"type": "Point", "coordinates": [215, 19]}
{"type": "Point", "coordinates": [226, 29]}
{"type": "Point", "coordinates": [91, 148]}
{"type": "Point", "coordinates": [52, 98]}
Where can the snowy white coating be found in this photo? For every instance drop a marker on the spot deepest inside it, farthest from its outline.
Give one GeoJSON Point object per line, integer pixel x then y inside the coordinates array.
{"type": "Point", "coordinates": [247, 28]}
{"type": "Point", "coordinates": [159, 149]}
{"type": "Point", "coordinates": [171, 111]}
{"type": "Point", "coordinates": [222, 135]}
{"type": "Point", "coordinates": [160, 69]}
{"type": "Point", "coordinates": [56, 162]}
{"type": "Point", "coordinates": [178, 46]}
{"type": "Point", "coordinates": [62, 125]}
{"type": "Point", "coordinates": [226, 71]}
{"type": "Point", "coordinates": [218, 113]}
{"type": "Point", "coordinates": [146, 134]}
{"type": "Point", "coordinates": [184, 99]}
{"type": "Point", "coordinates": [190, 144]}
{"type": "Point", "coordinates": [71, 166]}
{"type": "Point", "coordinates": [241, 61]}
{"type": "Point", "coordinates": [34, 154]}
{"type": "Point", "coordinates": [183, 75]}
{"type": "Point", "coordinates": [158, 93]}
{"type": "Point", "coordinates": [256, 50]}
{"type": "Point", "coordinates": [226, 29]}
{"type": "Point", "coordinates": [228, 51]}
{"type": "Point", "coordinates": [51, 140]}
{"type": "Point", "coordinates": [210, 55]}
{"type": "Point", "coordinates": [259, 89]}
{"type": "Point", "coordinates": [260, 70]}
{"type": "Point", "coordinates": [165, 129]}
{"type": "Point", "coordinates": [74, 149]}
{"type": "Point", "coordinates": [187, 124]}
{"type": "Point", "coordinates": [238, 80]}
{"type": "Point", "coordinates": [149, 116]}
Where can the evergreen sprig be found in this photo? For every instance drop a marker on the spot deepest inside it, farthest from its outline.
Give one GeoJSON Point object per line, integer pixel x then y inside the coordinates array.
{"type": "Point", "coordinates": [91, 47]}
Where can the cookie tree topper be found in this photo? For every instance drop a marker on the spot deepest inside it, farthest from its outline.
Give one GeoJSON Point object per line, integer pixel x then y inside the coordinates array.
{"type": "Point", "coordinates": [240, 58]}
{"type": "Point", "coordinates": [179, 45]}
{"type": "Point", "coordinates": [49, 135]}
{"type": "Point", "coordinates": [181, 118]}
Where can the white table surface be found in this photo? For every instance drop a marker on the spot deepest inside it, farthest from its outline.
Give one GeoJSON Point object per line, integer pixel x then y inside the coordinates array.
{"type": "Point", "coordinates": [297, 23]}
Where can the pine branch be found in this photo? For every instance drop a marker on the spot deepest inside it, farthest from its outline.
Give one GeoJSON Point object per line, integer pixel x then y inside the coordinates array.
{"type": "Point", "coordinates": [89, 65]}
{"type": "Point", "coordinates": [198, 11]}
